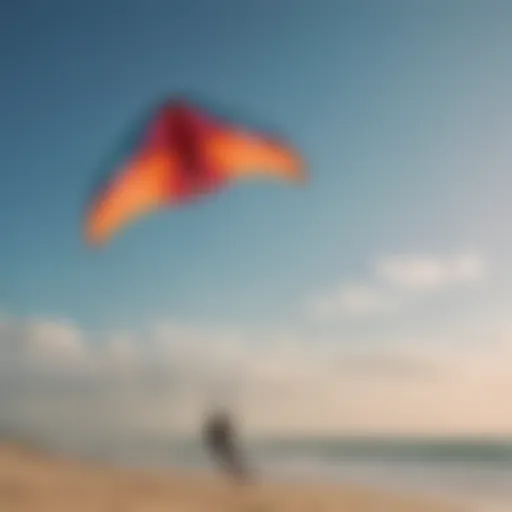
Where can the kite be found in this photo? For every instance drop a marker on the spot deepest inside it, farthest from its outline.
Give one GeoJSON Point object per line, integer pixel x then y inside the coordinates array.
{"type": "Point", "coordinates": [184, 153]}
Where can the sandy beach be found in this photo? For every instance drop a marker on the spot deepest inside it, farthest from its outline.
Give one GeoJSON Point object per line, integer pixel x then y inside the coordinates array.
{"type": "Point", "coordinates": [34, 481]}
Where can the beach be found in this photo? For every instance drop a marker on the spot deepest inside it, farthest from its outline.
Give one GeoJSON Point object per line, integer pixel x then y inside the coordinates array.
{"type": "Point", "coordinates": [37, 481]}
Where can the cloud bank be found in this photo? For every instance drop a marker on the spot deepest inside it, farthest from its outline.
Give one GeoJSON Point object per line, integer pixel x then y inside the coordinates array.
{"type": "Point", "coordinates": [61, 382]}
{"type": "Point", "coordinates": [56, 379]}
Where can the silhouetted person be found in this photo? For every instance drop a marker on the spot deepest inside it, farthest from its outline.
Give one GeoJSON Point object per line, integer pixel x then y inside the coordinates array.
{"type": "Point", "coordinates": [220, 438]}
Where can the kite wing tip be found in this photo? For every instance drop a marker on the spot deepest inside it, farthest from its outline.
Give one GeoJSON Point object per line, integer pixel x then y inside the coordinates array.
{"type": "Point", "coordinates": [299, 173]}
{"type": "Point", "coordinates": [93, 238]}
{"type": "Point", "coordinates": [92, 243]}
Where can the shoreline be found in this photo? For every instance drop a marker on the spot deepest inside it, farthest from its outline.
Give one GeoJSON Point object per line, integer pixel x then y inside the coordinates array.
{"type": "Point", "coordinates": [39, 481]}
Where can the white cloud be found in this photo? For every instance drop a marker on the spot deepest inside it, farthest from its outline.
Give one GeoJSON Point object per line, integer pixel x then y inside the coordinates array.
{"type": "Point", "coordinates": [53, 341]}
{"type": "Point", "coordinates": [354, 300]}
{"type": "Point", "coordinates": [399, 280]}
{"type": "Point", "coordinates": [165, 378]}
{"type": "Point", "coordinates": [418, 272]}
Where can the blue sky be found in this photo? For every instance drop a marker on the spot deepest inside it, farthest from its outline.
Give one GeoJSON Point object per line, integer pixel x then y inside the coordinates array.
{"type": "Point", "coordinates": [402, 111]}
{"type": "Point", "coordinates": [401, 239]}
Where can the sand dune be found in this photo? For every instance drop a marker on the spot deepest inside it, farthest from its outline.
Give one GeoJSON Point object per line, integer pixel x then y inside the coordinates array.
{"type": "Point", "coordinates": [33, 481]}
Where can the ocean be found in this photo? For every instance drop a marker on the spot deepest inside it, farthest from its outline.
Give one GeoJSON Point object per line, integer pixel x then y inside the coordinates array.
{"type": "Point", "coordinates": [476, 472]}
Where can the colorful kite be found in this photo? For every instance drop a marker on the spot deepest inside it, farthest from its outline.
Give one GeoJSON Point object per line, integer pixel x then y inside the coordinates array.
{"type": "Point", "coordinates": [184, 153]}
